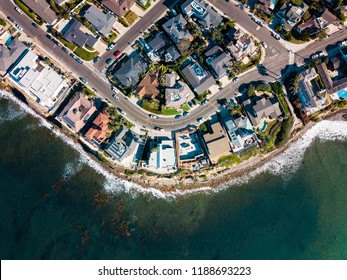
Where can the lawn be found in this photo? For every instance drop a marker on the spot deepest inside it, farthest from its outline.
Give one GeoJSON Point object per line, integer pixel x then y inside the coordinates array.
{"type": "Point", "coordinates": [228, 161]}
{"type": "Point", "coordinates": [169, 111]}
{"type": "Point", "coordinates": [109, 39]}
{"type": "Point", "coordinates": [84, 54]}
{"type": "Point", "coordinates": [130, 17]}
{"type": "Point", "coordinates": [185, 107]}
{"type": "Point", "coordinates": [154, 107]}
{"type": "Point", "coordinates": [29, 12]}
{"type": "Point", "coordinates": [67, 44]}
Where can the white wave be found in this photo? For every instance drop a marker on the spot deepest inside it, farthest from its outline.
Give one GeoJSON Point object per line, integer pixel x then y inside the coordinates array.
{"type": "Point", "coordinates": [283, 165]}
{"type": "Point", "coordinates": [11, 114]}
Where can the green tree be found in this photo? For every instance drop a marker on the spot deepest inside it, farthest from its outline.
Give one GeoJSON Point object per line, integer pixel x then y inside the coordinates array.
{"type": "Point", "coordinates": [305, 36]}
{"type": "Point", "coordinates": [2, 22]}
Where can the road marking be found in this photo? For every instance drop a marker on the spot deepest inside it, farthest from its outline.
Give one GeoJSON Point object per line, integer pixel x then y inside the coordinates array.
{"type": "Point", "coordinates": [257, 28]}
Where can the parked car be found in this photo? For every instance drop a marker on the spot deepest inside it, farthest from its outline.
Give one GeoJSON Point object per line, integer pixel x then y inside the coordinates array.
{"type": "Point", "coordinates": [19, 27]}
{"type": "Point", "coordinates": [121, 111]}
{"type": "Point", "coordinates": [96, 59]}
{"type": "Point", "coordinates": [117, 53]}
{"type": "Point", "coordinates": [321, 54]}
{"type": "Point", "coordinates": [236, 79]}
{"type": "Point", "coordinates": [153, 116]}
{"type": "Point", "coordinates": [190, 104]}
{"type": "Point", "coordinates": [110, 46]}
{"type": "Point", "coordinates": [343, 43]}
{"type": "Point", "coordinates": [109, 60]}
{"type": "Point", "coordinates": [185, 113]}
{"type": "Point", "coordinates": [200, 120]}
{"type": "Point", "coordinates": [314, 56]}
{"type": "Point", "coordinates": [83, 80]}
{"type": "Point", "coordinates": [65, 49]}
{"type": "Point", "coordinates": [35, 25]}
{"type": "Point", "coordinates": [19, 11]}
{"type": "Point", "coordinates": [11, 19]}
{"type": "Point", "coordinates": [79, 60]}
{"type": "Point", "coordinates": [49, 37]}
{"type": "Point", "coordinates": [114, 89]}
{"type": "Point", "coordinates": [72, 55]}
{"type": "Point", "coordinates": [178, 117]}
{"type": "Point", "coordinates": [158, 128]}
{"type": "Point", "coordinates": [204, 102]}
{"type": "Point", "coordinates": [193, 101]}
{"type": "Point", "coordinates": [264, 45]}
{"type": "Point", "coordinates": [115, 96]}
{"type": "Point", "coordinates": [276, 36]}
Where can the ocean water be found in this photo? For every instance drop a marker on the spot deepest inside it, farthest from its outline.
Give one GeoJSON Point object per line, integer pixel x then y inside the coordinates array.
{"type": "Point", "coordinates": [56, 203]}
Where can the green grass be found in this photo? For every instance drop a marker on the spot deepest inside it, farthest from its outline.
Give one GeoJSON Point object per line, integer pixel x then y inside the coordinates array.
{"type": "Point", "coordinates": [123, 21]}
{"type": "Point", "coordinates": [67, 44]}
{"type": "Point", "coordinates": [109, 39]}
{"type": "Point", "coordinates": [84, 54]}
{"type": "Point", "coordinates": [29, 12]}
{"type": "Point", "coordinates": [203, 127]}
{"type": "Point", "coordinates": [228, 160]}
{"type": "Point", "coordinates": [185, 107]}
{"type": "Point", "coordinates": [169, 111]}
{"type": "Point", "coordinates": [284, 104]}
{"type": "Point", "coordinates": [130, 17]}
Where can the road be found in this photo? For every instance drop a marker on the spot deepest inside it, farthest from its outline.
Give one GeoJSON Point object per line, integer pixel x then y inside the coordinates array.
{"type": "Point", "coordinates": [273, 64]}
{"type": "Point", "coordinates": [138, 28]}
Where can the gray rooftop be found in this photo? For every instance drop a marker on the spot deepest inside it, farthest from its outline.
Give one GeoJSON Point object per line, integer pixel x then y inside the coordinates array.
{"type": "Point", "coordinates": [176, 29]}
{"type": "Point", "coordinates": [101, 21]}
{"type": "Point", "coordinates": [129, 73]}
{"type": "Point", "coordinates": [10, 54]}
{"type": "Point", "coordinates": [42, 9]}
{"type": "Point", "coordinates": [75, 35]}
{"type": "Point", "coordinates": [200, 79]}
{"type": "Point", "coordinates": [218, 61]}
{"type": "Point", "coordinates": [262, 109]}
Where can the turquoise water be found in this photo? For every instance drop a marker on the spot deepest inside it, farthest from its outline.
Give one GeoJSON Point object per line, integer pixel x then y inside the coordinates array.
{"type": "Point", "coordinates": [263, 126]}
{"type": "Point", "coordinates": [54, 206]}
{"type": "Point", "coordinates": [342, 94]}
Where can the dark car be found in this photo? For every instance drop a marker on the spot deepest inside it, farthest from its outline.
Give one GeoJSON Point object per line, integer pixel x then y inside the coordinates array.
{"type": "Point", "coordinates": [96, 59]}
{"type": "Point", "coordinates": [65, 49]}
{"type": "Point", "coordinates": [35, 25]}
{"type": "Point", "coordinates": [108, 61]}
{"type": "Point", "coordinates": [79, 60]}
{"type": "Point", "coordinates": [72, 55]}
{"type": "Point", "coordinates": [11, 19]}
{"type": "Point", "coordinates": [178, 117]}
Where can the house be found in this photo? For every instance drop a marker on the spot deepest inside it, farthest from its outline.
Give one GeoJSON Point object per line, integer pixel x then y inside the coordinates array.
{"type": "Point", "coordinates": [266, 6]}
{"type": "Point", "coordinates": [123, 146]}
{"type": "Point", "coordinates": [190, 154]}
{"type": "Point", "coordinates": [326, 19]}
{"type": "Point", "coordinates": [259, 110]}
{"type": "Point", "coordinates": [38, 80]}
{"type": "Point", "coordinates": [59, 2]}
{"type": "Point", "coordinates": [199, 79]}
{"type": "Point", "coordinates": [311, 26]}
{"type": "Point", "coordinates": [99, 131]}
{"type": "Point", "coordinates": [311, 99]}
{"type": "Point", "coordinates": [176, 29]}
{"type": "Point", "coordinates": [102, 22]}
{"type": "Point", "coordinates": [291, 15]}
{"type": "Point", "coordinates": [217, 142]}
{"type": "Point", "coordinates": [149, 87]}
{"type": "Point", "coordinates": [74, 34]}
{"type": "Point", "coordinates": [119, 7]}
{"type": "Point", "coordinates": [129, 72]}
{"type": "Point", "coordinates": [160, 48]}
{"type": "Point", "coordinates": [243, 47]}
{"type": "Point", "coordinates": [142, 3]}
{"type": "Point", "coordinates": [9, 54]}
{"type": "Point", "coordinates": [241, 134]}
{"type": "Point", "coordinates": [315, 24]}
{"type": "Point", "coordinates": [333, 87]}
{"type": "Point", "coordinates": [177, 93]}
{"type": "Point", "coordinates": [42, 9]}
{"type": "Point", "coordinates": [77, 112]}
{"type": "Point", "coordinates": [205, 15]}
{"type": "Point", "coordinates": [162, 155]}
{"type": "Point", "coordinates": [219, 61]}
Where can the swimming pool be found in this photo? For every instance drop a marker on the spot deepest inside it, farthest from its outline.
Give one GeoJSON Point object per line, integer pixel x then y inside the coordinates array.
{"type": "Point", "coordinates": [8, 40]}
{"type": "Point", "coordinates": [342, 93]}
{"type": "Point", "coordinates": [262, 126]}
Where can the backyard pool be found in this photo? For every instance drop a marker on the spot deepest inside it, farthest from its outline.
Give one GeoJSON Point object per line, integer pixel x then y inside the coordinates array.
{"type": "Point", "coordinates": [262, 126]}
{"type": "Point", "coordinates": [8, 40]}
{"type": "Point", "coordinates": [342, 93]}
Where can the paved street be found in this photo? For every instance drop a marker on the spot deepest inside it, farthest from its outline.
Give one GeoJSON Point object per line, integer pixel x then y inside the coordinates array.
{"type": "Point", "coordinates": [273, 64]}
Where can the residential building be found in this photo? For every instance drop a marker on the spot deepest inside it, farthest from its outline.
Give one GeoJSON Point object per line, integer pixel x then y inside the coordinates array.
{"type": "Point", "coordinates": [42, 9]}
{"type": "Point", "coordinates": [177, 92]}
{"type": "Point", "coordinates": [128, 73]}
{"type": "Point", "coordinates": [74, 34]}
{"type": "Point", "coordinates": [177, 30]}
{"type": "Point", "coordinates": [312, 98]}
{"type": "Point", "coordinates": [219, 61]}
{"type": "Point", "coordinates": [326, 19]}
{"type": "Point", "coordinates": [9, 55]}
{"type": "Point", "coordinates": [311, 26]}
{"type": "Point", "coordinates": [39, 80]}
{"type": "Point", "coordinates": [119, 7]}
{"type": "Point", "coordinates": [77, 112]}
{"type": "Point", "coordinates": [190, 154]}
{"type": "Point", "coordinates": [162, 156]}
{"type": "Point", "coordinates": [142, 3]}
{"type": "Point", "coordinates": [102, 22]}
{"type": "Point", "coordinates": [259, 110]}
{"type": "Point", "coordinates": [199, 79]}
{"type": "Point", "coordinates": [123, 146]}
{"type": "Point", "coordinates": [291, 15]}
{"type": "Point", "coordinates": [99, 130]}
{"type": "Point", "coordinates": [315, 24]}
{"type": "Point", "coordinates": [149, 87]}
{"type": "Point", "coordinates": [217, 142]}
{"type": "Point", "coordinates": [205, 15]}
{"type": "Point", "coordinates": [59, 2]}
{"type": "Point", "coordinates": [160, 48]}
{"type": "Point", "coordinates": [242, 47]}
{"type": "Point", "coordinates": [241, 134]}
{"type": "Point", "coordinates": [266, 6]}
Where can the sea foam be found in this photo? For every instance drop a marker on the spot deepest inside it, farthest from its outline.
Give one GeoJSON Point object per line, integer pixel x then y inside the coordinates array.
{"type": "Point", "coordinates": [284, 165]}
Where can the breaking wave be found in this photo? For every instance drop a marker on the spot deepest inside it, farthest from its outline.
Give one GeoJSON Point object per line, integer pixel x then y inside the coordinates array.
{"type": "Point", "coordinates": [285, 165]}
{"type": "Point", "coordinates": [11, 114]}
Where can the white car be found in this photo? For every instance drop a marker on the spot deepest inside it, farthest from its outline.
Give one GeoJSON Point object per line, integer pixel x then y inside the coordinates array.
{"type": "Point", "coordinates": [264, 45]}
{"type": "Point", "coordinates": [19, 27]}
{"type": "Point", "coordinates": [121, 111]}
{"type": "Point", "coordinates": [114, 89]}
{"type": "Point", "coordinates": [314, 56]}
{"type": "Point", "coordinates": [19, 11]}
{"type": "Point", "coordinates": [116, 96]}
{"type": "Point", "coordinates": [153, 116]}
